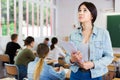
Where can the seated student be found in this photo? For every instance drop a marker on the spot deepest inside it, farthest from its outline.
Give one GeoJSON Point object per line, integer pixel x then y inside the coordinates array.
{"type": "Point", "coordinates": [56, 51]}
{"type": "Point", "coordinates": [12, 47]}
{"type": "Point", "coordinates": [24, 57]}
{"type": "Point", "coordinates": [39, 70]}
{"type": "Point", "coordinates": [46, 41]}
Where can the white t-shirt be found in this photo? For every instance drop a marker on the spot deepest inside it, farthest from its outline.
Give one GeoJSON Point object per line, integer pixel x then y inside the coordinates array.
{"type": "Point", "coordinates": [56, 53]}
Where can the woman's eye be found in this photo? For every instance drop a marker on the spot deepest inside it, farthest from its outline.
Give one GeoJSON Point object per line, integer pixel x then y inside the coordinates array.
{"type": "Point", "coordinates": [79, 11]}
{"type": "Point", "coordinates": [85, 10]}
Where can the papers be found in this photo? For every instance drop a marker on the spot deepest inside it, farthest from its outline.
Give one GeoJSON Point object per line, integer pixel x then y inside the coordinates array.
{"type": "Point", "coordinates": [69, 47]}
{"type": "Point", "coordinates": [66, 70]}
{"type": "Point", "coordinates": [63, 69]}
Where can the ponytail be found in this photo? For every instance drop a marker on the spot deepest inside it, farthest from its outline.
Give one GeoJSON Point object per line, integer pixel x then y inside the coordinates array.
{"type": "Point", "coordinates": [52, 47]}
{"type": "Point", "coordinates": [42, 51]}
{"type": "Point", "coordinates": [54, 41]}
{"type": "Point", "coordinates": [38, 69]}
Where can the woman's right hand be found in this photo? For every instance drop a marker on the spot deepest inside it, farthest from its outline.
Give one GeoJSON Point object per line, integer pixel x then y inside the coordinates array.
{"type": "Point", "coordinates": [76, 57]}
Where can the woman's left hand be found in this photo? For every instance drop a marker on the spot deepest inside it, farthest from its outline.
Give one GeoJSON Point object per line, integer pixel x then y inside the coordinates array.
{"type": "Point", "coordinates": [87, 65]}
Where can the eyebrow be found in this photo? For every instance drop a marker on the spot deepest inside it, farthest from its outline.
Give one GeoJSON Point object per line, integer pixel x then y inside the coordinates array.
{"type": "Point", "coordinates": [83, 8]}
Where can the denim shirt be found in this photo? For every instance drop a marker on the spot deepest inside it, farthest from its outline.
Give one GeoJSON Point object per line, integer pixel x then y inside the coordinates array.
{"type": "Point", "coordinates": [48, 73]}
{"type": "Point", "coordinates": [101, 53]}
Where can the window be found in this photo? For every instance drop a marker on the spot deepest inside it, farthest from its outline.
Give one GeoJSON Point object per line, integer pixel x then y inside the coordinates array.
{"type": "Point", "coordinates": [28, 17]}
{"type": "Point", "coordinates": [9, 17]}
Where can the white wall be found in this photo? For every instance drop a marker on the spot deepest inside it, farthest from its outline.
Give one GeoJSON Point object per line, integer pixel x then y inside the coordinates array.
{"type": "Point", "coordinates": [6, 39]}
{"type": "Point", "coordinates": [67, 14]}
{"type": "Point", "coordinates": [117, 5]}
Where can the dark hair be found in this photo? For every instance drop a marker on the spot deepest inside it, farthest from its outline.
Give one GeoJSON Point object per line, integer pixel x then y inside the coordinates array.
{"type": "Point", "coordinates": [53, 41]}
{"type": "Point", "coordinates": [91, 7]}
{"type": "Point", "coordinates": [47, 39]}
{"type": "Point", "coordinates": [14, 36]}
{"type": "Point", "coordinates": [28, 40]}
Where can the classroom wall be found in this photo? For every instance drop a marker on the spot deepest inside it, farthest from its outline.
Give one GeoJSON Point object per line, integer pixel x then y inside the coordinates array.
{"type": "Point", "coordinates": [67, 14]}
{"type": "Point", "coordinates": [117, 5]}
{"type": "Point", "coordinates": [6, 39]}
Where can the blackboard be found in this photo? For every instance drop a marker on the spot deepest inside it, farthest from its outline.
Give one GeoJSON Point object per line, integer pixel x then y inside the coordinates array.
{"type": "Point", "coordinates": [113, 26]}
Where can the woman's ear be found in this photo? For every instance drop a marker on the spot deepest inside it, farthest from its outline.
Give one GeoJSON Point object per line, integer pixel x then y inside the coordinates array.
{"type": "Point", "coordinates": [32, 44]}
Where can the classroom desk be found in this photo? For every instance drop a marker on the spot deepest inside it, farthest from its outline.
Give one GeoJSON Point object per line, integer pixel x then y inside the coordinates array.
{"type": "Point", "coordinates": [116, 59]}
{"type": "Point", "coordinates": [8, 78]}
{"type": "Point", "coordinates": [117, 55]}
{"type": "Point", "coordinates": [111, 67]}
{"type": "Point", "coordinates": [116, 79]}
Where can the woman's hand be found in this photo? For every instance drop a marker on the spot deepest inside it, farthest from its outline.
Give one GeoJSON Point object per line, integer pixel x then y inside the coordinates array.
{"type": "Point", "coordinates": [87, 65]}
{"type": "Point", "coordinates": [76, 57]}
{"type": "Point", "coordinates": [57, 69]}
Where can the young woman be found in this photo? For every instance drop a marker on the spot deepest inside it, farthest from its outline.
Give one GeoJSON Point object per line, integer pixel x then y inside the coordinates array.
{"type": "Point", "coordinates": [39, 70]}
{"type": "Point", "coordinates": [55, 51]}
{"type": "Point", "coordinates": [24, 57]}
{"type": "Point", "coordinates": [94, 47]}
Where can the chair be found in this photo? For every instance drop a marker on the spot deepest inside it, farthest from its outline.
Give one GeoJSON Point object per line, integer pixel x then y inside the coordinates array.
{"type": "Point", "coordinates": [4, 58]}
{"type": "Point", "coordinates": [12, 69]}
{"type": "Point", "coordinates": [111, 74]}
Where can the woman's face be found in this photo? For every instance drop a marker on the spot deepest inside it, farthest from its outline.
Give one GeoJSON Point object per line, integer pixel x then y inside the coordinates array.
{"type": "Point", "coordinates": [84, 15]}
{"type": "Point", "coordinates": [32, 44]}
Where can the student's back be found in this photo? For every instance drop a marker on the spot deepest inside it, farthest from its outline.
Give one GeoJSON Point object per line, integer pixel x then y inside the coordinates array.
{"type": "Point", "coordinates": [12, 47]}
{"type": "Point", "coordinates": [39, 70]}
{"type": "Point", "coordinates": [24, 57]}
{"type": "Point", "coordinates": [56, 53]}
{"type": "Point", "coordinates": [48, 73]}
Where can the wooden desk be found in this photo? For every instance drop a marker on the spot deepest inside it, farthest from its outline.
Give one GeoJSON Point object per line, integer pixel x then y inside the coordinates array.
{"type": "Point", "coordinates": [111, 74]}
{"type": "Point", "coordinates": [116, 79]}
{"type": "Point", "coordinates": [116, 59]}
{"type": "Point", "coordinates": [8, 79]}
{"type": "Point", "coordinates": [111, 67]}
{"type": "Point", "coordinates": [117, 55]}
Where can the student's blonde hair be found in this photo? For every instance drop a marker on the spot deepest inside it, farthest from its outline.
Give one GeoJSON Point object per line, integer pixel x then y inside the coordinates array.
{"type": "Point", "coordinates": [42, 51]}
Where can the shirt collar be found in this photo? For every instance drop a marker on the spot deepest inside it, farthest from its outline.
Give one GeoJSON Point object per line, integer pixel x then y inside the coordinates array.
{"type": "Point", "coordinates": [94, 30]}
{"type": "Point", "coordinates": [37, 59]}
